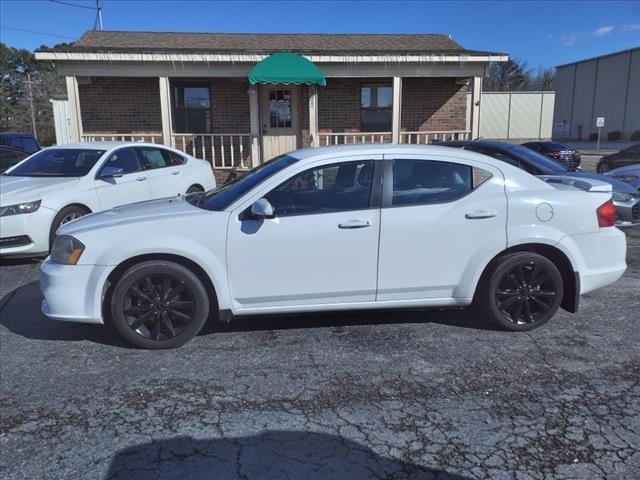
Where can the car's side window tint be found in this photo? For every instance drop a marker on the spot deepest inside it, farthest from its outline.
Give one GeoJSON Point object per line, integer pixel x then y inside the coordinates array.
{"type": "Point", "coordinates": [173, 159]}
{"type": "Point", "coordinates": [329, 188]}
{"type": "Point", "coordinates": [423, 182]}
{"type": "Point", "coordinates": [125, 158]}
{"type": "Point", "coordinates": [151, 158]}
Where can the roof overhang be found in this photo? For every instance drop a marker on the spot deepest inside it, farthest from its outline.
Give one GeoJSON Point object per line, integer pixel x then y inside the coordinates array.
{"type": "Point", "coordinates": [111, 57]}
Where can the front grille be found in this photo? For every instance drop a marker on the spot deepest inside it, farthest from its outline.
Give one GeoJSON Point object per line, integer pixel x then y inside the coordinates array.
{"type": "Point", "coordinates": [18, 241]}
{"type": "Point", "coordinates": [635, 211]}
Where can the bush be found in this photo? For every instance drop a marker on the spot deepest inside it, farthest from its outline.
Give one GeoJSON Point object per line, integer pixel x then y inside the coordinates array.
{"type": "Point", "coordinates": [615, 135]}
{"type": "Point", "coordinates": [635, 135]}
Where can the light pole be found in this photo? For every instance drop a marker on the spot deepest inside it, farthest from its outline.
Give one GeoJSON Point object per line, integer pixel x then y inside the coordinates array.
{"type": "Point", "coordinates": [33, 113]}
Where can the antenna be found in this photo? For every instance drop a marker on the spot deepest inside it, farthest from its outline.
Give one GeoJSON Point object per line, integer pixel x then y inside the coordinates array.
{"type": "Point", "coordinates": [99, 9]}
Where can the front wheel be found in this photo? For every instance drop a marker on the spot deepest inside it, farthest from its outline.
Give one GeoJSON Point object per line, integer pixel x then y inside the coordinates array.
{"type": "Point", "coordinates": [66, 215]}
{"type": "Point", "coordinates": [603, 167]}
{"type": "Point", "coordinates": [159, 304]}
{"type": "Point", "coordinates": [523, 291]}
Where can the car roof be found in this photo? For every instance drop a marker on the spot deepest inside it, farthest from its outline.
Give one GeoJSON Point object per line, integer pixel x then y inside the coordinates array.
{"type": "Point", "coordinates": [317, 153]}
{"type": "Point", "coordinates": [107, 145]}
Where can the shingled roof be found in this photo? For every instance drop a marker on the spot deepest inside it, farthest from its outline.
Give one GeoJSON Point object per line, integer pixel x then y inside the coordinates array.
{"type": "Point", "coordinates": [262, 43]}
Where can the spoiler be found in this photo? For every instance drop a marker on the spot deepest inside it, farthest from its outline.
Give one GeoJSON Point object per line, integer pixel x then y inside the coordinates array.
{"type": "Point", "coordinates": [585, 184]}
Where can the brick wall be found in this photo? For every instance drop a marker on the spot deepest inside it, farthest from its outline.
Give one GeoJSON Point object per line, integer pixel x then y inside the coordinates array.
{"type": "Point", "coordinates": [120, 105]}
{"type": "Point", "coordinates": [433, 104]}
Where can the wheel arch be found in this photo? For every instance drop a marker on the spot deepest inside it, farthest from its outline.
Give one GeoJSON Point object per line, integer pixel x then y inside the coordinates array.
{"type": "Point", "coordinates": [121, 268]}
{"type": "Point", "coordinates": [570, 278]}
{"type": "Point", "coordinates": [77, 204]}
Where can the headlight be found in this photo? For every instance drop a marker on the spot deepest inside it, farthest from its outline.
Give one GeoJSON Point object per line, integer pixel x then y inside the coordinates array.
{"type": "Point", "coordinates": [66, 250]}
{"type": "Point", "coordinates": [622, 197]}
{"type": "Point", "coordinates": [28, 207]}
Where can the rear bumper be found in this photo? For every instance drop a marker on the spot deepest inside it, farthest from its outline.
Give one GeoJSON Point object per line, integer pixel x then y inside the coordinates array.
{"type": "Point", "coordinates": [599, 258]}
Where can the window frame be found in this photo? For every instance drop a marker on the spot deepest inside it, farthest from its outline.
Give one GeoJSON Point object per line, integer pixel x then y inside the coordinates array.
{"type": "Point", "coordinates": [387, 182]}
{"type": "Point", "coordinates": [376, 108]}
{"type": "Point", "coordinates": [374, 196]}
{"type": "Point", "coordinates": [180, 97]}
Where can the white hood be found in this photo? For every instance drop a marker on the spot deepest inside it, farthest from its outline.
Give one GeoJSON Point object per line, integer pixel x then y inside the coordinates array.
{"type": "Point", "coordinates": [27, 189]}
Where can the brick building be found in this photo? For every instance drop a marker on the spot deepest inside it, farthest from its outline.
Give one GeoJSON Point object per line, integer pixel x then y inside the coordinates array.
{"type": "Point", "coordinates": [191, 90]}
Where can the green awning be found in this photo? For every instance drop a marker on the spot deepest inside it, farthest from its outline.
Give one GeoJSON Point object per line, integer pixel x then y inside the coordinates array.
{"type": "Point", "coordinates": [287, 68]}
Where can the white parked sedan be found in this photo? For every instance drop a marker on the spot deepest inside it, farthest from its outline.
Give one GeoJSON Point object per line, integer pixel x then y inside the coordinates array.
{"type": "Point", "coordinates": [340, 228]}
{"type": "Point", "coordinates": [60, 184]}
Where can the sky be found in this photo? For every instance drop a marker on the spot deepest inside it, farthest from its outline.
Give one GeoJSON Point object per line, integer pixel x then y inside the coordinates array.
{"type": "Point", "coordinates": [543, 33]}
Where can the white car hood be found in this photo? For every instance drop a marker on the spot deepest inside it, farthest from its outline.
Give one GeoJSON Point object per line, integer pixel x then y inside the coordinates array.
{"type": "Point", "coordinates": [150, 211]}
{"type": "Point", "coordinates": [27, 189]}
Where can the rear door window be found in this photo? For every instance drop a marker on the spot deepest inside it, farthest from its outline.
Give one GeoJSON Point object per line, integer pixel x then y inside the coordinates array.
{"type": "Point", "coordinates": [151, 158]}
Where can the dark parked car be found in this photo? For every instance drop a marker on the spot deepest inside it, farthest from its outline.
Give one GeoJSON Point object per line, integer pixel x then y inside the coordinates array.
{"type": "Point", "coordinates": [10, 156]}
{"type": "Point", "coordinates": [625, 197]}
{"type": "Point", "coordinates": [21, 140]}
{"type": "Point", "coordinates": [568, 156]}
{"type": "Point", "coordinates": [628, 156]}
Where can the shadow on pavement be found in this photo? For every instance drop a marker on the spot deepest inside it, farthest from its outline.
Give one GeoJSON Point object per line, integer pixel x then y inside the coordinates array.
{"type": "Point", "coordinates": [270, 455]}
{"type": "Point", "coordinates": [22, 316]}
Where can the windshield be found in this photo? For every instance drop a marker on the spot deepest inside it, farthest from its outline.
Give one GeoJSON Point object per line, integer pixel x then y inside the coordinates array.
{"type": "Point", "coordinates": [224, 196]}
{"type": "Point", "coordinates": [57, 162]}
{"type": "Point", "coordinates": [544, 163]}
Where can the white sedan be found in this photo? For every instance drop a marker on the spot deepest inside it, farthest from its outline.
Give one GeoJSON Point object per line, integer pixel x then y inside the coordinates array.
{"type": "Point", "coordinates": [60, 184]}
{"type": "Point", "coordinates": [340, 228]}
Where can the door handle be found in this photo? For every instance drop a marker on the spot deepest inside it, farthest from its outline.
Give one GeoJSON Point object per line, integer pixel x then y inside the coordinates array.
{"type": "Point", "coordinates": [480, 214]}
{"type": "Point", "coordinates": [141, 179]}
{"type": "Point", "coordinates": [352, 224]}
{"type": "Point", "coordinates": [175, 172]}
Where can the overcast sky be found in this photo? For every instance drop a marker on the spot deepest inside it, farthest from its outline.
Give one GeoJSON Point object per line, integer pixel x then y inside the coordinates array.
{"type": "Point", "coordinates": [543, 33]}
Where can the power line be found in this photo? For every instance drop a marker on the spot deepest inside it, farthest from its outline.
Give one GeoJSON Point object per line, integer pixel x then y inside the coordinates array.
{"type": "Point", "coordinates": [72, 4]}
{"type": "Point", "coordinates": [37, 33]}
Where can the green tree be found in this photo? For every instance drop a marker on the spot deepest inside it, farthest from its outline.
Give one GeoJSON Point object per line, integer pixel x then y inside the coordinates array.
{"type": "Point", "coordinates": [17, 65]}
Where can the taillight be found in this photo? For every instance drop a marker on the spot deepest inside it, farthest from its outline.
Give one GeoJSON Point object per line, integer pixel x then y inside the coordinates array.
{"type": "Point", "coordinates": [606, 214]}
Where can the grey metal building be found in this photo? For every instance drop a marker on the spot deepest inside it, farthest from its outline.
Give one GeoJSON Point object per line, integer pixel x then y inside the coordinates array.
{"type": "Point", "coordinates": [607, 86]}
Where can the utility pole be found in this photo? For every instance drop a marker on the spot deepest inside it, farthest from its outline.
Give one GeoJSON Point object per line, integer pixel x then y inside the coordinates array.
{"type": "Point", "coordinates": [33, 113]}
{"type": "Point", "coordinates": [99, 8]}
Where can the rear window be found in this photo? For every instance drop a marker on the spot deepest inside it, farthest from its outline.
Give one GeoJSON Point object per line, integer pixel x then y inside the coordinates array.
{"type": "Point", "coordinates": [58, 162]}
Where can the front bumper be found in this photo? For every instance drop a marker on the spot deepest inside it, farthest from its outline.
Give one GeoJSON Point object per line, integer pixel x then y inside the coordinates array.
{"type": "Point", "coordinates": [73, 292]}
{"type": "Point", "coordinates": [627, 213]}
{"type": "Point", "coordinates": [35, 226]}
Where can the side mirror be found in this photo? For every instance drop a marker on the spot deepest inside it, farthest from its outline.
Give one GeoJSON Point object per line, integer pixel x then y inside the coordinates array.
{"type": "Point", "coordinates": [111, 172]}
{"type": "Point", "coordinates": [262, 209]}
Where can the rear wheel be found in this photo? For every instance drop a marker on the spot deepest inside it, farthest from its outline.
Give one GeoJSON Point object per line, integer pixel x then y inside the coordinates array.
{"type": "Point", "coordinates": [523, 291]}
{"type": "Point", "coordinates": [159, 304]}
{"type": "Point", "coordinates": [194, 189]}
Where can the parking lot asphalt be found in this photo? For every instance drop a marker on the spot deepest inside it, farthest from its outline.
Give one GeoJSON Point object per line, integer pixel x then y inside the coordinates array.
{"type": "Point", "coordinates": [384, 395]}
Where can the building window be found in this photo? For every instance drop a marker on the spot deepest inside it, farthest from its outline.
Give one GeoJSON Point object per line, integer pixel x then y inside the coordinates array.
{"type": "Point", "coordinates": [376, 101]}
{"type": "Point", "coordinates": [192, 105]}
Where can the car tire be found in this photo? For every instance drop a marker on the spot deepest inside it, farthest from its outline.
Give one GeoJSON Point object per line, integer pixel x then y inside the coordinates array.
{"type": "Point", "coordinates": [194, 189]}
{"type": "Point", "coordinates": [65, 215]}
{"type": "Point", "coordinates": [521, 291]}
{"type": "Point", "coordinates": [159, 304]}
{"type": "Point", "coordinates": [603, 167]}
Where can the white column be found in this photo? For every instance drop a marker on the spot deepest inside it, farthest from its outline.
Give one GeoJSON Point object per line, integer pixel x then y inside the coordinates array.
{"type": "Point", "coordinates": [476, 97]}
{"type": "Point", "coordinates": [165, 110]}
{"type": "Point", "coordinates": [254, 115]}
{"type": "Point", "coordinates": [75, 126]}
{"type": "Point", "coordinates": [313, 115]}
{"type": "Point", "coordinates": [397, 109]}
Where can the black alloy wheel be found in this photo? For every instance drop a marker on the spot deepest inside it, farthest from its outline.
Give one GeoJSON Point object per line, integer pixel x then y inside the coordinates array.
{"type": "Point", "coordinates": [159, 304]}
{"type": "Point", "coordinates": [522, 291]}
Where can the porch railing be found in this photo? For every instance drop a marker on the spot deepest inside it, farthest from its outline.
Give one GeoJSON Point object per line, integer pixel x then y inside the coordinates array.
{"type": "Point", "coordinates": [428, 137]}
{"type": "Point", "coordinates": [353, 138]}
{"type": "Point", "coordinates": [222, 150]}
{"type": "Point", "coordinates": [118, 137]}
